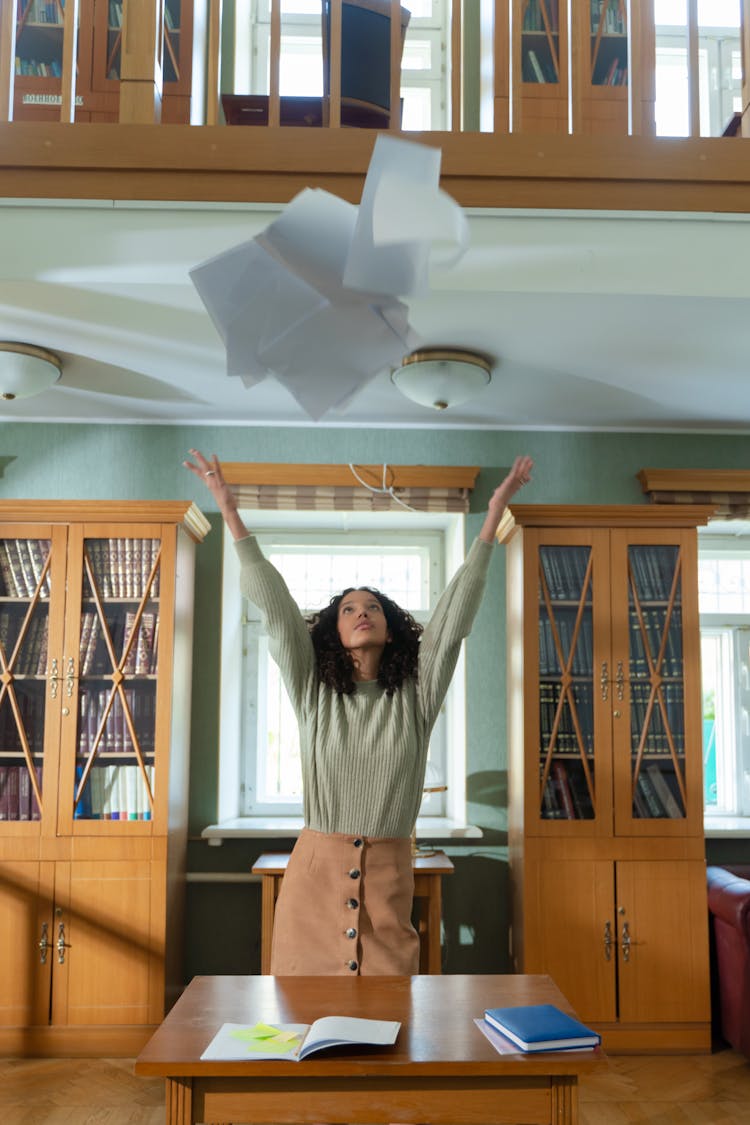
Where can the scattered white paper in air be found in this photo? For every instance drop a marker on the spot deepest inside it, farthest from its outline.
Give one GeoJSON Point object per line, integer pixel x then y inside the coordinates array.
{"type": "Point", "coordinates": [314, 299]}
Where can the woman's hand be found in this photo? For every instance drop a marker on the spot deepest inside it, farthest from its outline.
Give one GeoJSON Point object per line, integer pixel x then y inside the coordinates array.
{"type": "Point", "coordinates": [213, 478]}
{"type": "Point", "coordinates": [519, 475]}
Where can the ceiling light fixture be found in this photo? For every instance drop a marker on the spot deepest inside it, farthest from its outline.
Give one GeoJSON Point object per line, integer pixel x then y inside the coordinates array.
{"type": "Point", "coordinates": [26, 370]}
{"type": "Point", "coordinates": [442, 377]}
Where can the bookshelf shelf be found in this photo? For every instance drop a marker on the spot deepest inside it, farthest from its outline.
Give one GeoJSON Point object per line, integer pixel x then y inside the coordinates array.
{"type": "Point", "coordinates": [93, 766]}
{"type": "Point", "coordinates": [605, 767]}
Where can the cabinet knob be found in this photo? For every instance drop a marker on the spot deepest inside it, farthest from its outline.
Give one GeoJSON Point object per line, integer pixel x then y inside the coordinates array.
{"type": "Point", "coordinates": [66, 710]}
{"type": "Point", "coordinates": [617, 714]}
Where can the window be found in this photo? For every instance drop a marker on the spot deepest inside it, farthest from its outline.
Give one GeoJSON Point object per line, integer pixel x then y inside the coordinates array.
{"type": "Point", "coordinates": [407, 555]}
{"type": "Point", "coordinates": [724, 604]}
{"type": "Point", "coordinates": [719, 66]}
{"type": "Point", "coordinates": [423, 68]}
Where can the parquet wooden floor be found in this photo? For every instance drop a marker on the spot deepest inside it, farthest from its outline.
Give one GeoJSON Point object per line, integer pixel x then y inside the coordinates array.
{"type": "Point", "coordinates": [686, 1090]}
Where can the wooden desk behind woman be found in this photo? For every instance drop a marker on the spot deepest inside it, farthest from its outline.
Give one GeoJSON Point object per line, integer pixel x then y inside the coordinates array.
{"type": "Point", "coordinates": [428, 873]}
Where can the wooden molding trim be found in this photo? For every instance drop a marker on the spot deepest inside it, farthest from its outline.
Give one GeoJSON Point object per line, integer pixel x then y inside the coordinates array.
{"type": "Point", "coordinates": [181, 512]}
{"type": "Point", "coordinates": [694, 480]}
{"type": "Point", "coordinates": [341, 476]}
{"type": "Point", "coordinates": [603, 515]}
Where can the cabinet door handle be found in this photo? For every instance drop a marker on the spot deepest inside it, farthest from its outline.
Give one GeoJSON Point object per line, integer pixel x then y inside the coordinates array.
{"type": "Point", "coordinates": [44, 944]}
{"type": "Point", "coordinates": [620, 681]}
{"type": "Point", "coordinates": [62, 944]}
{"type": "Point", "coordinates": [53, 678]}
{"type": "Point", "coordinates": [626, 942]}
{"type": "Point", "coordinates": [605, 681]}
{"type": "Point", "coordinates": [70, 676]}
{"type": "Point", "coordinates": [608, 941]}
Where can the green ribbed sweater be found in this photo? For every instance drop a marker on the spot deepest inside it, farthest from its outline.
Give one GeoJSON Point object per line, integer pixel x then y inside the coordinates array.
{"type": "Point", "coordinates": [364, 755]}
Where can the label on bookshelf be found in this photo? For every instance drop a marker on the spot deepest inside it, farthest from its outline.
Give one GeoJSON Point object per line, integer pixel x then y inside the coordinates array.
{"type": "Point", "coordinates": [46, 99]}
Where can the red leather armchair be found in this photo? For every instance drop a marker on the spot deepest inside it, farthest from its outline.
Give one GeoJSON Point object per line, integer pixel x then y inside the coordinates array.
{"type": "Point", "coordinates": [729, 904]}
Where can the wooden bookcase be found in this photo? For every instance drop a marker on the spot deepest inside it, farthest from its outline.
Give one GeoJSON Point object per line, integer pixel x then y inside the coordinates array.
{"type": "Point", "coordinates": [39, 51]}
{"type": "Point", "coordinates": [96, 606]}
{"type": "Point", "coordinates": [605, 766]}
{"type": "Point", "coordinates": [541, 81]}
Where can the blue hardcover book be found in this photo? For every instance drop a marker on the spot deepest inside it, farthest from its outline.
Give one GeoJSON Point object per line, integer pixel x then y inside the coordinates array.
{"type": "Point", "coordinates": [541, 1027]}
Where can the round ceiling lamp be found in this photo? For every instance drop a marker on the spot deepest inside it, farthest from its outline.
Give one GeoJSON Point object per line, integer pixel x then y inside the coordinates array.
{"type": "Point", "coordinates": [26, 370]}
{"type": "Point", "coordinates": [442, 377]}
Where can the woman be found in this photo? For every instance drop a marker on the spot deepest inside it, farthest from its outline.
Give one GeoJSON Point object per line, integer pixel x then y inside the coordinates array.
{"type": "Point", "coordinates": [366, 684]}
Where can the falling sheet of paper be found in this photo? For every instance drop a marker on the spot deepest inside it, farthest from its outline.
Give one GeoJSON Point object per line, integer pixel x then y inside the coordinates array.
{"type": "Point", "coordinates": [314, 299]}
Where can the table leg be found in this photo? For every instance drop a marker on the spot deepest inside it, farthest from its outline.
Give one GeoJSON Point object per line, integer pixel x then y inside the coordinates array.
{"type": "Point", "coordinates": [564, 1099]}
{"type": "Point", "coordinates": [269, 891]}
{"type": "Point", "coordinates": [179, 1101]}
{"type": "Point", "coordinates": [434, 916]}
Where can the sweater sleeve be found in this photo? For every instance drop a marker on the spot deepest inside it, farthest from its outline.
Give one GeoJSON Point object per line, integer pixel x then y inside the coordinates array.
{"type": "Point", "coordinates": [289, 638]}
{"type": "Point", "coordinates": [449, 624]}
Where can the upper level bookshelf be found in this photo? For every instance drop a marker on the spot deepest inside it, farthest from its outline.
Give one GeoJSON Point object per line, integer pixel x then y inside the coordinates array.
{"type": "Point", "coordinates": [39, 55]}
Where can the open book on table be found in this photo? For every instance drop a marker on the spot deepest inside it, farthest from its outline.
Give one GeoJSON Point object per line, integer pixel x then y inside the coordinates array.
{"type": "Point", "coordinates": [295, 1041]}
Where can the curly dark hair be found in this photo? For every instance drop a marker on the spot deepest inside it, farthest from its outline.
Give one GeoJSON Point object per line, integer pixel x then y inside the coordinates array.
{"type": "Point", "coordinates": [335, 666]}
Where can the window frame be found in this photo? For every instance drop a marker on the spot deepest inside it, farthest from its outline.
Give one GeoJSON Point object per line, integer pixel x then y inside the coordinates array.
{"type": "Point", "coordinates": [451, 805]}
{"type": "Point", "coordinates": [733, 771]}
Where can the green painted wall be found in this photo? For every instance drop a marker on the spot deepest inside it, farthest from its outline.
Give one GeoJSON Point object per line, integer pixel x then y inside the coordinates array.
{"type": "Point", "coordinates": [145, 462]}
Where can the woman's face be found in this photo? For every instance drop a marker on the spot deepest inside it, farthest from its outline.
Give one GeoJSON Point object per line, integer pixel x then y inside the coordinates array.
{"type": "Point", "coordinates": [361, 621]}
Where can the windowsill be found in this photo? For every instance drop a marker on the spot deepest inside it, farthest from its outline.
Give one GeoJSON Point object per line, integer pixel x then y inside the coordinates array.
{"type": "Point", "coordinates": [428, 828]}
{"type": "Point", "coordinates": [715, 827]}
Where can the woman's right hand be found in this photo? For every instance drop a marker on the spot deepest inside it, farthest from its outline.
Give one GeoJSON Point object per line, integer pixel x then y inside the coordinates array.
{"type": "Point", "coordinates": [209, 471]}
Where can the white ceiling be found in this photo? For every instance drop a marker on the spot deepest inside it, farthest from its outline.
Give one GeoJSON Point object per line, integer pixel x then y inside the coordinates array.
{"type": "Point", "coordinates": [599, 321]}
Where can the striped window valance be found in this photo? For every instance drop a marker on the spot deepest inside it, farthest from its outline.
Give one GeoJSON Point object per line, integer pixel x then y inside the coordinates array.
{"type": "Point", "coordinates": [339, 488]}
{"type": "Point", "coordinates": [728, 491]}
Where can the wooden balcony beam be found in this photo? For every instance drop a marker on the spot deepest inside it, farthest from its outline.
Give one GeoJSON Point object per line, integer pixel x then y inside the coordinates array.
{"type": "Point", "coordinates": [217, 163]}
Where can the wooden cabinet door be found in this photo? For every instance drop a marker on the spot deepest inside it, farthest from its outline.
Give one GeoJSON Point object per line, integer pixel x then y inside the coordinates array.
{"type": "Point", "coordinates": [569, 923]}
{"type": "Point", "coordinates": [109, 911]}
{"type": "Point", "coordinates": [662, 933]}
{"type": "Point", "coordinates": [25, 921]}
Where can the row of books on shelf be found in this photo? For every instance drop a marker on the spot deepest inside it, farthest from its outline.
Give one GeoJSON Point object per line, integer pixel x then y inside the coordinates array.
{"type": "Point", "coordinates": [656, 794]}
{"type": "Point", "coordinates": [564, 571]}
{"type": "Point", "coordinates": [31, 659]}
{"type": "Point", "coordinates": [31, 68]}
{"type": "Point", "coordinates": [17, 798]}
{"type": "Point", "coordinates": [536, 69]}
{"type": "Point", "coordinates": [662, 724]}
{"type": "Point", "coordinates": [536, 11]}
{"type": "Point", "coordinates": [122, 566]}
{"type": "Point", "coordinates": [566, 793]}
{"type": "Point", "coordinates": [655, 624]}
{"type": "Point", "coordinates": [39, 11]}
{"type": "Point", "coordinates": [115, 735]}
{"type": "Point", "coordinates": [31, 712]}
{"type": "Point", "coordinates": [135, 643]}
{"type": "Point", "coordinates": [609, 15]}
{"type": "Point", "coordinates": [115, 793]}
{"type": "Point", "coordinates": [22, 561]}
{"type": "Point", "coordinates": [616, 74]}
{"type": "Point", "coordinates": [563, 624]}
{"type": "Point", "coordinates": [652, 570]}
{"type": "Point", "coordinates": [549, 704]}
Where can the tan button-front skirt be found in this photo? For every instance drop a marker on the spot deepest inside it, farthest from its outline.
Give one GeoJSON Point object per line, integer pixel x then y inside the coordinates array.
{"type": "Point", "coordinates": [345, 908]}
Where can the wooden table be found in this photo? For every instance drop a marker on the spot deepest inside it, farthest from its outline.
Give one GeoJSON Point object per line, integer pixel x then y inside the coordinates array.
{"type": "Point", "coordinates": [428, 872]}
{"type": "Point", "coordinates": [441, 1070]}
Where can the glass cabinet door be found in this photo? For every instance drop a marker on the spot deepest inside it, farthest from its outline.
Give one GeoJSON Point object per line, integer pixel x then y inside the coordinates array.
{"type": "Point", "coordinates": [656, 680]}
{"type": "Point", "coordinates": [567, 770]}
{"type": "Point", "coordinates": [609, 43]}
{"type": "Point", "coordinates": [540, 42]}
{"type": "Point", "coordinates": [116, 683]}
{"type": "Point", "coordinates": [28, 669]}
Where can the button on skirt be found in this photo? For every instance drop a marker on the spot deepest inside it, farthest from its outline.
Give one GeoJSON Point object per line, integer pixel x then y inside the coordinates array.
{"type": "Point", "coordinates": [344, 908]}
